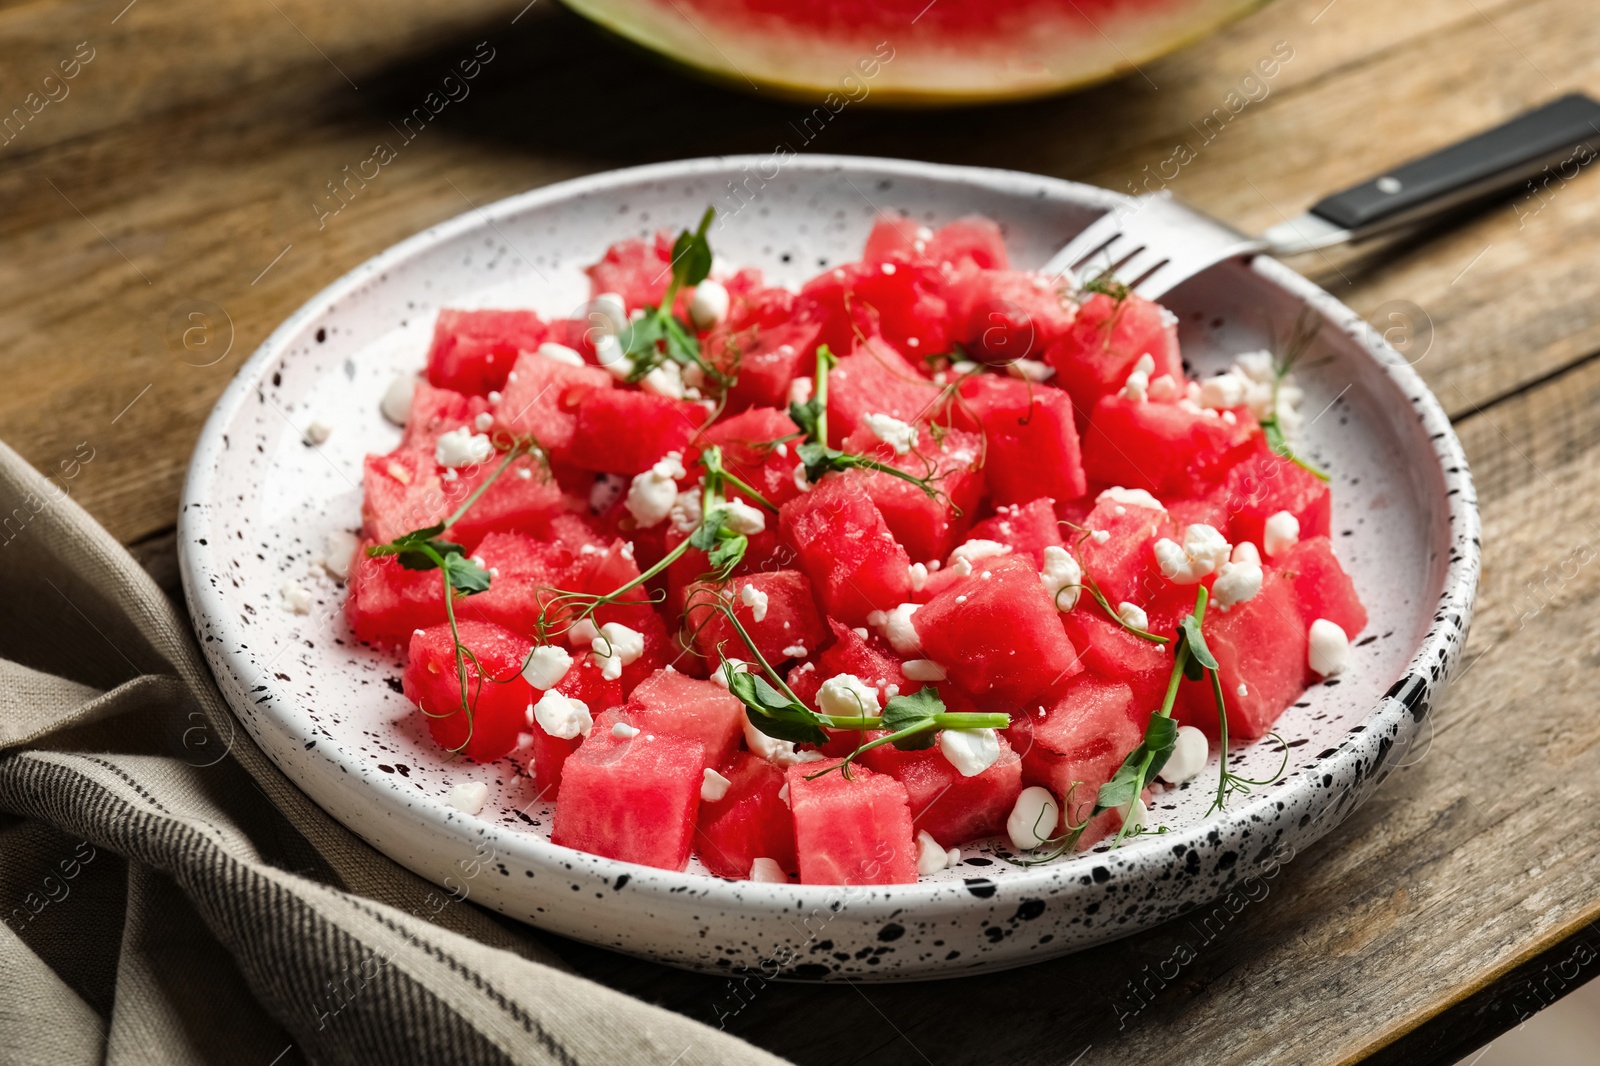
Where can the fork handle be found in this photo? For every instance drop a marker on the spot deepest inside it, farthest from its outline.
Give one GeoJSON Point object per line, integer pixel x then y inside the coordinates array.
{"type": "Point", "coordinates": [1495, 161]}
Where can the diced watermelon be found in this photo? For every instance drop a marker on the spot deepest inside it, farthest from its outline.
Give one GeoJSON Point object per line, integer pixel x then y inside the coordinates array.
{"type": "Point", "coordinates": [950, 807]}
{"type": "Point", "coordinates": [751, 822]}
{"type": "Point", "coordinates": [522, 499]}
{"type": "Point", "coordinates": [1264, 484]}
{"type": "Point", "coordinates": [637, 270]}
{"type": "Point", "coordinates": [926, 526]}
{"type": "Point", "coordinates": [1005, 315]}
{"type": "Point", "coordinates": [875, 379]}
{"type": "Point", "coordinates": [789, 626]}
{"type": "Point", "coordinates": [1260, 644]}
{"type": "Point", "coordinates": [1206, 510]}
{"type": "Point", "coordinates": [1028, 528]}
{"type": "Point", "coordinates": [747, 452]}
{"type": "Point", "coordinates": [1169, 449]}
{"type": "Point", "coordinates": [861, 654]}
{"type": "Point", "coordinates": [474, 350]}
{"type": "Point", "coordinates": [583, 682]}
{"type": "Point", "coordinates": [601, 572]}
{"type": "Point", "coordinates": [387, 602]}
{"type": "Point", "coordinates": [523, 570]}
{"type": "Point", "coordinates": [1107, 338]}
{"type": "Point", "coordinates": [764, 359]}
{"type": "Point", "coordinates": [668, 702]}
{"type": "Point", "coordinates": [1032, 440]}
{"type": "Point", "coordinates": [1078, 742]}
{"type": "Point", "coordinates": [851, 832]}
{"type": "Point", "coordinates": [437, 410]}
{"type": "Point", "coordinates": [631, 798]}
{"type": "Point", "coordinates": [660, 651]}
{"type": "Point", "coordinates": [899, 301]}
{"type": "Point", "coordinates": [1121, 563]}
{"type": "Point", "coordinates": [626, 432]}
{"type": "Point", "coordinates": [999, 637]}
{"type": "Point", "coordinates": [1112, 653]}
{"type": "Point", "coordinates": [963, 246]}
{"type": "Point", "coordinates": [401, 492]}
{"type": "Point", "coordinates": [497, 695]}
{"type": "Point", "coordinates": [541, 397]}
{"type": "Point", "coordinates": [845, 548]}
{"type": "Point", "coordinates": [1321, 586]}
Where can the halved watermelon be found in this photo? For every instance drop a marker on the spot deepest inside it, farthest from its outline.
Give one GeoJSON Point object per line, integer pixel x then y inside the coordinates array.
{"type": "Point", "coordinates": [751, 822]}
{"type": "Point", "coordinates": [851, 832]}
{"type": "Point", "coordinates": [497, 696]}
{"type": "Point", "coordinates": [473, 351]}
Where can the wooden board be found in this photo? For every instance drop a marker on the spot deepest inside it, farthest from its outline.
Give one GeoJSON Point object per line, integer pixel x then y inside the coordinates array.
{"type": "Point", "coordinates": [179, 177]}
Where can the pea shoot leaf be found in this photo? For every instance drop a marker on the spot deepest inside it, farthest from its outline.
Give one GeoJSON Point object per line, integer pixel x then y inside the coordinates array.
{"type": "Point", "coordinates": [728, 553]}
{"type": "Point", "coordinates": [464, 575]}
{"type": "Point", "coordinates": [773, 713]}
{"type": "Point", "coordinates": [1199, 659]}
{"type": "Point", "coordinates": [691, 254]}
{"type": "Point", "coordinates": [902, 712]}
{"type": "Point", "coordinates": [1160, 736]}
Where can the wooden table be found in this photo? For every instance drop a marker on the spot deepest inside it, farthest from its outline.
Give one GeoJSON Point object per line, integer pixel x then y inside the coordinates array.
{"type": "Point", "coordinates": [176, 178]}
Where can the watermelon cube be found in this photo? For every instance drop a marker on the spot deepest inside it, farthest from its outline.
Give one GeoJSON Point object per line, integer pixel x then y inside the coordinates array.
{"type": "Point", "coordinates": [401, 492]}
{"type": "Point", "coordinates": [1262, 485]}
{"type": "Point", "coordinates": [675, 704]}
{"type": "Point", "coordinates": [437, 410]}
{"type": "Point", "coordinates": [1172, 449]}
{"type": "Point", "coordinates": [523, 573]}
{"type": "Point", "coordinates": [926, 526]}
{"type": "Point", "coordinates": [583, 682]}
{"type": "Point", "coordinates": [950, 807]}
{"type": "Point", "coordinates": [764, 360]}
{"type": "Point", "coordinates": [845, 548]}
{"type": "Point", "coordinates": [751, 822]}
{"type": "Point", "coordinates": [486, 726]}
{"type": "Point", "coordinates": [998, 634]}
{"type": "Point", "coordinates": [387, 602]}
{"type": "Point", "coordinates": [473, 351]}
{"type": "Point", "coordinates": [625, 432]}
{"type": "Point", "coordinates": [1028, 529]}
{"type": "Point", "coordinates": [875, 379]}
{"type": "Point", "coordinates": [1005, 315]}
{"type": "Point", "coordinates": [854, 831]}
{"type": "Point", "coordinates": [1122, 561]}
{"type": "Point", "coordinates": [898, 301]}
{"type": "Point", "coordinates": [1113, 654]}
{"type": "Point", "coordinates": [634, 798]}
{"type": "Point", "coordinates": [961, 247]}
{"type": "Point", "coordinates": [523, 498]}
{"type": "Point", "coordinates": [1321, 586]}
{"type": "Point", "coordinates": [636, 269]}
{"type": "Point", "coordinates": [788, 626]}
{"type": "Point", "coordinates": [1078, 742]}
{"type": "Point", "coordinates": [1106, 339]}
{"type": "Point", "coordinates": [541, 397]}
{"type": "Point", "coordinates": [1261, 645]}
{"type": "Point", "coordinates": [749, 454]}
{"type": "Point", "coordinates": [1032, 440]}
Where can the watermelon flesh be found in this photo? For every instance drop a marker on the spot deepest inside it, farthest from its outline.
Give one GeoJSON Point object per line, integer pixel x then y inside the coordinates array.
{"type": "Point", "coordinates": [674, 704]}
{"type": "Point", "coordinates": [854, 831]}
{"type": "Point", "coordinates": [1076, 744]}
{"type": "Point", "coordinates": [789, 626]}
{"type": "Point", "coordinates": [845, 548]}
{"type": "Point", "coordinates": [1028, 529]}
{"type": "Point", "coordinates": [751, 822]}
{"type": "Point", "coordinates": [486, 726]}
{"type": "Point", "coordinates": [582, 682]}
{"type": "Point", "coordinates": [1105, 342]}
{"type": "Point", "coordinates": [1321, 587]}
{"type": "Point", "coordinates": [1261, 646]}
{"type": "Point", "coordinates": [949, 807]}
{"type": "Point", "coordinates": [473, 351]}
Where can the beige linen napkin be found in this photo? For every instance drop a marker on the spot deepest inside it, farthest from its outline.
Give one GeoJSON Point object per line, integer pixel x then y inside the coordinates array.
{"type": "Point", "coordinates": [169, 897]}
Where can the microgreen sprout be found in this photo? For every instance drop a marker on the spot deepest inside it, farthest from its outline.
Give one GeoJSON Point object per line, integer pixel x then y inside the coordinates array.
{"type": "Point", "coordinates": [1305, 331]}
{"type": "Point", "coordinates": [659, 334]}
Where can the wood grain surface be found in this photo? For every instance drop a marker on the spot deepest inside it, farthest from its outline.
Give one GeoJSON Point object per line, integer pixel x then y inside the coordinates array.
{"type": "Point", "coordinates": [178, 176]}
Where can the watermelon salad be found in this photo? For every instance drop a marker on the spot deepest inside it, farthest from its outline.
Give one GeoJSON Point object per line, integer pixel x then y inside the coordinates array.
{"type": "Point", "coordinates": [825, 583]}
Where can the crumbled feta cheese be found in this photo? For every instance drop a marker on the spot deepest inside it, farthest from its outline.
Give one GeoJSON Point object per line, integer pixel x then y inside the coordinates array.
{"type": "Point", "coordinates": [652, 494]}
{"type": "Point", "coordinates": [743, 518]}
{"type": "Point", "coordinates": [317, 432]}
{"type": "Point", "coordinates": [1133, 615]}
{"type": "Point", "coordinates": [1100, 536]}
{"type": "Point", "coordinates": [611, 356]}
{"type": "Point", "coordinates": [1257, 366]}
{"type": "Point", "coordinates": [559, 353]}
{"type": "Point", "coordinates": [756, 600]}
{"type": "Point", "coordinates": [608, 312]}
{"type": "Point", "coordinates": [901, 436]}
{"type": "Point", "coordinates": [1202, 552]}
{"type": "Point", "coordinates": [932, 855]}
{"type": "Point", "coordinates": [663, 380]}
{"type": "Point", "coordinates": [1329, 652]}
{"type": "Point", "coordinates": [685, 511]}
{"type": "Point", "coordinates": [1164, 389]}
{"type": "Point", "coordinates": [847, 696]}
{"type": "Point", "coordinates": [923, 670]}
{"type": "Point", "coordinates": [562, 716]}
{"type": "Point", "coordinates": [1030, 370]}
{"type": "Point", "coordinates": [1281, 532]}
{"type": "Point", "coordinates": [768, 870]}
{"type": "Point", "coordinates": [462, 447]}
{"type": "Point", "coordinates": [795, 651]}
{"type": "Point", "coordinates": [339, 549]}
{"type": "Point", "coordinates": [1245, 552]}
{"type": "Point", "coordinates": [1134, 814]}
{"type": "Point", "coordinates": [1062, 577]}
{"type": "Point", "coordinates": [737, 666]}
{"type": "Point", "coordinates": [1243, 690]}
{"type": "Point", "coordinates": [396, 402]}
{"type": "Point", "coordinates": [1225, 390]}
{"type": "Point", "coordinates": [1033, 819]}
{"type": "Point", "coordinates": [296, 597]}
{"type": "Point", "coordinates": [1236, 583]}
{"type": "Point", "coordinates": [1189, 754]}
{"type": "Point", "coordinates": [468, 796]}
{"type": "Point", "coordinates": [974, 550]}
{"type": "Point", "coordinates": [713, 786]}
{"type": "Point", "coordinates": [624, 731]}
{"type": "Point", "coordinates": [616, 646]}
{"type": "Point", "coordinates": [582, 632]}
{"type": "Point", "coordinates": [800, 390]}
{"type": "Point", "coordinates": [709, 304]}
{"type": "Point", "coordinates": [1131, 497]}
{"type": "Point", "coordinates": [1138, 383]}
{"type": "Point", "coordinates": [896, 628]}
{"type": "Point", "coordinates": [783, 794]}
{"type": "Point", "coordinates": [547, 664]}
{"type": "Point", "coordinates": [970, 751]}
{"type": "Point", "coordinates": [917, 575]}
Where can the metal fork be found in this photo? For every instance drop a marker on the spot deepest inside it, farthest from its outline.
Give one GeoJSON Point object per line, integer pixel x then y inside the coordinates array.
{"type": "Point", "coordinates": [1154, 243]}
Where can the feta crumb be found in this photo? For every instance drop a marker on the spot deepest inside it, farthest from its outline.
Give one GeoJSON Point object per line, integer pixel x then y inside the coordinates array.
{"type": "Point", "coordinates": [547, 664]}
{"type": "Point", "coordinates": [468, 796]}
{"type": "Point", "coordinates": [1033, 819]}
{"type": "Point", "coordinates": [1030, 370]}
{"type": "Point", "coordinates": [651, 495]}
{"type": "Point", "coordinates": [800, 390]}
{"type": "Point", "coordinates": [1062, 577]}
{"type": "Point", "coordinates": [1257, 366]}
{"type": "Point", "coordinates": [582, 632]}
{"type": "Point", "coordinates": [783, 794]}
{"type": "Point", "coordinates": [1329, 650]}
{"type": "Point", "coordinates": [559, 353]}
{"type": "Point", "coordinates": [756, 600]}
{"type": "Point", "coordinates": [462, 447]}
{"type": "Point", "coordinates": [562, 716]}
{"type": "Point", "coordinates": [663, 380]}
{"type": "Point", "coordinates": [1189, 754]}
{"type": "Point", "coordinates": [494, 396]}
{"type": "Point", "coordinates": [743, 518]}
{"type": "Point", "coordinates": [615, 647]}
{"type": "Point", "coordinates": [713, 786]}
{"type": "Point", "coordinates": [778, 752]}
{"type": "Point", "coordinates": [685, 511]}
{"type": "Point", "coordinates": [917, 575]}
{"type": "Point", "coordinates": [1133, 615]}
{"type": "Point", "coordinates": [896, 628]}
{"type": "Point", "coordinates": [931, 855]}
{"type": "Point", "coordinates": [719, 676]}
{"type": "Point", "coordinates": [970, 751]}
{"type": "Point", "coordinates": [1245, 552]}
{"type": "Point", "coordinates": [795, 651]}
{"type": "Point", "coordinates": [624, 731]}
{"type": "Point", "coordinates": [901, 436]}
{"type": "Point", "coordinates": [484, 422]}
{"type": "Point", "coordinates": [709, 304]}
{"type": "Point", "coordinates": [801, 482]}
{"type": "Point", "coordinates": [1131, 497]}
{"type": "Point", "coordinates": [1243, 690]}
{"type": "Point", "coordinates": [974, 550]}
{"type": "Point", "coordinates": [1225, 390]}
{"type": "Point", "coordinates": [1164, 389]}
{"type": "Point", "coordinates": [609, 312]}
{"type": "Point", "coordinates": [317, 432]}
{"type": "Point", "coordinates": [1100, 536]}
{"type": "Point", "coordinates": [612, 357]}
{"type": "Point", "coordinates": [396, 402]}
{"type": "Point", "coordinates": [339, 549]}
{"type": "Point", "coordinates": [768, 870]}
{"type": "Point", "coordinates": [296, 597]}
{"type": "Point", "coordinates": [1138, 383]}
{"type": "Point", "coordinates": [1202, 552]}
{"type": "Point", "coordinates": [1134, 814]}
{"type": "Point", "coordinates": [1236, 583]}
{"type": "Point", "coordinates": [923, 670]}
{"type": "Point", "coordinates": [1281, 532]}
{"type": "Point", "coordinates": [847, 696]}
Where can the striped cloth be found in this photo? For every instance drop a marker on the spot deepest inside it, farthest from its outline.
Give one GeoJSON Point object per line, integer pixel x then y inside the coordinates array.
{"type": "Point", "coordinates": [169, 897]}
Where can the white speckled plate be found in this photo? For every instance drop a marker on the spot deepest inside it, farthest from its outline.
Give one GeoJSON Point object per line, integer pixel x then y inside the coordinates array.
{"type": "Point", "coordinates": [259, 503]}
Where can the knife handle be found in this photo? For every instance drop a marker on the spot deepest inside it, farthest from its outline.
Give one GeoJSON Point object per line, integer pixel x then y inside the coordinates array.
{"type": "Point", "coordinates": [1566, 130]}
